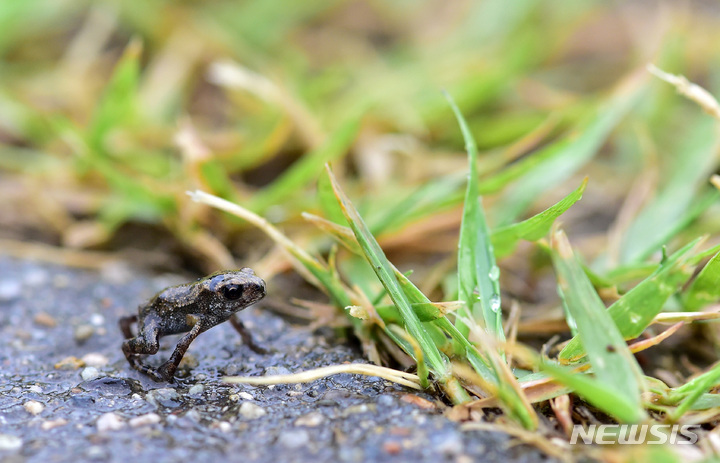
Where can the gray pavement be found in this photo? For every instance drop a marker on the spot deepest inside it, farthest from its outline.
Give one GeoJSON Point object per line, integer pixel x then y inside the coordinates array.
{"type": "Point", "coordinates": [68, 394]}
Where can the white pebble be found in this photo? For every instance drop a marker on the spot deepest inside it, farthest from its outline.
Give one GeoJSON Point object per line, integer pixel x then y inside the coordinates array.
{"type": "Point", "coordinates": [224, 426]}
{"type": "Point", "coordinates": [246, 395]}
{"type": "Point", "coordinates": [310, 420]}
{"type": "Point", "coordinates": [95, 359]}
{"type": "Point", "coordinates": [294, 439]}
{"type": "Point", "coordinates": [97, 320]}
{"type": "Point", "coordinates": [35, 388]}
{"type": "Point", "coordinates": [33, 407]}
{"type": "Point", "coordinates": [109, 422]}
{"type": "Point", "coordinates": [144, 420]}
{"type": "Point", "coordinates": [251, 411]}
{"type": "Point", "coordinates": [10, 442]}
{"type": "Point", "coordinates": [10, 289]}
{"type": "Point", "coordinates": [197, 389]}
{"type": "Point", "coordinates": [36, 277]}
{"type": "Point", "coordinates": [89, 373]}
{"type": "Point", "coordinates": [50, 424]}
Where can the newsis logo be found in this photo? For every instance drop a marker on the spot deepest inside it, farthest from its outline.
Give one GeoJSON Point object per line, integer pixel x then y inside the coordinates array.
{"type": "Point", "coordinates": [626, 434]}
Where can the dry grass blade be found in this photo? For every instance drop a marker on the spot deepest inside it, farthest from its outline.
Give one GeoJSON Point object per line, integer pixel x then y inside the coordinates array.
{"type": "Point", "coordinates": [400, 377]}
{"type": "Point", "coordinates": [690, 90]}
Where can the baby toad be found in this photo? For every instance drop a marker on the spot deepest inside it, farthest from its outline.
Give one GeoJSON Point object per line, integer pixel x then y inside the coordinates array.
{"type": "Point", "coordinates": [189, 308]}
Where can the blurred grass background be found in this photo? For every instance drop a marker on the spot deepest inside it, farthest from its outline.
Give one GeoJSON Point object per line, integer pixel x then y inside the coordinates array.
{"type": "Point", "coordinates": [109, 111]}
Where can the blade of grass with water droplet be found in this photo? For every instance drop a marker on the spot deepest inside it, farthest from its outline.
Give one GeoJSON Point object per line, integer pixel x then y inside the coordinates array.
{"type": "Point", "coordinates": [616, 370]}
{"type": "Point", "coordinates": [477, 270]}
{"type": "Point", "coordinates": [637, 308]}
{"type": "Point", "coordinates": [492, 370]}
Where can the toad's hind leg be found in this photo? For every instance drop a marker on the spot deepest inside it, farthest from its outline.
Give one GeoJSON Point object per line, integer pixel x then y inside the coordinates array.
{"type": "Point", "coordinates": [144, 343]}
{"type": "Point", "coordinates": [125, 323]}
{"type": "Point", "coordinates": [166, 371]}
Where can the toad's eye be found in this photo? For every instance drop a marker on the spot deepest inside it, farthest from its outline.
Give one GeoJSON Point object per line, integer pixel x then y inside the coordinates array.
{"type": "Point", "coordinates": [232, 292]}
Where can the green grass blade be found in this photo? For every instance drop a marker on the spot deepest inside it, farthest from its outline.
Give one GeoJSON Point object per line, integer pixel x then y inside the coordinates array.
{"type": "Point", "coordinates": [427, 199]}
{"type": "Point", "coordinates": [329, 205]}
{"type": "Point", "coordinates": [505, 239]}
{"type": "Point", "coordinates": [561, 160]}
{"type": "Point", "coordinates": [615, 368]}
{"type": "Point", "coordinates": [662, 217]}
{"type": "Point", "coordinates": [705, 289]}
{"type": "Point", "coordinates": [477, 270]}
{"type": "Point", "coordinates": [636, 309]}
{"type": "Point", "coordinates": [385, 273]}
{"type": "Point", "coordinates": [693, 391]}
{"type": "Point", "coordinates": [118, 103]}
{"type": "Point", "coordinates": [304, 171]}
{"type": "Point", "coordinates": [626, 409]}
{"type": "Point", "coordinates": [495, 372]}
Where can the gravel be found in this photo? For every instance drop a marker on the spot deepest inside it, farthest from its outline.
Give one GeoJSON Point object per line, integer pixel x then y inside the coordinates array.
{"type": "Point", "coordinates": [67, 393]}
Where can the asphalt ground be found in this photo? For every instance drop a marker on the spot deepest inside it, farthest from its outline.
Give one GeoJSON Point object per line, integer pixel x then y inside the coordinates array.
{"type": "Point", "coordinates": [68, 394]}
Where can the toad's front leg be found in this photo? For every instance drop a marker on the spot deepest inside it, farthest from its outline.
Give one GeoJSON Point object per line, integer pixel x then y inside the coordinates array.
{"type": "Point", "coordinates": [166, 371]}
{"type": "Point", "coordinates": [246, 336]}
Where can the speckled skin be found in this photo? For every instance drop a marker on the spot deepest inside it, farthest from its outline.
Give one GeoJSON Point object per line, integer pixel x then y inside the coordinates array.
{"type": "Point", "coordinates": [190, 308]}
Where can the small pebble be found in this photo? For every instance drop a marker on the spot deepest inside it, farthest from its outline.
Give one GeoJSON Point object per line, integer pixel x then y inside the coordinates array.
{"type": "Point", "coordinates": [447, 443]}
{"type": "Point", "coordinates": [197, 389]}
{"type": "Point", "coordinates": [294, 439]}
{"type": "Point", "coordinates": [310, 420]}
{"type": "Point", "coordinates": [45, 319]}
{"type": "Point", "coordinates": [36, 277]}
{"type": "Point", "coordinates": [251, 411]}
{"type": "Point", "coordinates": [392, 447]}
{"type": "Point", "coordinates": [50, 424]}
{"type": "Point", "coordinates": [95, 359]}
{"type": "Point", "coordinates": [109, 422]}
{"type": "Point", "coordinates": [245, 395]}
{"type": "Point", "coordinates": [69, 363]}
{"type": "Point", "coordinates": [97, 320]}
{"type": "Point", "coordinates": [89, 373]}
{"type": "Point", "coordinates": [223, 426]}
{"type": "Point", "coordinates": [193, 415]}
{"type": "Point", "coordinates": [166, 396]}
{"type": "Point", "coordinates": [188, 362]}
{"type": "Point", "coordinates": [418, 401]}
{"type": "Point", "coordinates": [97, 453]}
{"type": "Point", "coordinates": [10, 442]}
{"type": "Point", "coordinates": [144, 420]}
{"type": "Point", "coordinates": [10, 289]}
{"type": "Point", "coordinates": [61, 281]}
{"type": "Point", "coordinates": [33, 407]}
{"type": "Point", "coordinates": [35, 388]}
{"type": "Point", "coordinates": [117, 272]}
{"type": "Point", "coordinates": [83, 332]}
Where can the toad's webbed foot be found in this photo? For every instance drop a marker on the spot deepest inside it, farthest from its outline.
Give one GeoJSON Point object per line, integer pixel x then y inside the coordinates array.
{"type": "Point", "coordinates": [146, 343]}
